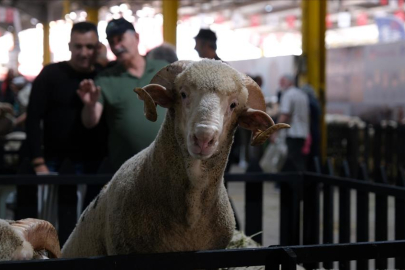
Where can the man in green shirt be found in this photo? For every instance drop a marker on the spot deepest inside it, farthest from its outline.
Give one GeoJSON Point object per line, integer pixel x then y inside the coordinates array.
{"type": "Point", "coordinates": [112, 92]}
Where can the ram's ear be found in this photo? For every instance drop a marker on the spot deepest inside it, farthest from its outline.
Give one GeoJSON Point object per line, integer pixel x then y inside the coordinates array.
{"type": "Point", "coordinates": [261, 125]}
{"type": "Point", "coordinates": [153, 94]}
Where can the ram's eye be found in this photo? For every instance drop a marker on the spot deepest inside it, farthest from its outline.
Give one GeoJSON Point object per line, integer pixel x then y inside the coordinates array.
{"type": "Point", "coordinates": [183, 95]}
{"type": "Point", "coordinates": [233, 105]}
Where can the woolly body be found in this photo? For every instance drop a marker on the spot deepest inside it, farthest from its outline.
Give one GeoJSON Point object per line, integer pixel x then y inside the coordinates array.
{"type": "Point", "coordinates": [13, 245]}
{"type": "Point", "coordinates": [164, 198]}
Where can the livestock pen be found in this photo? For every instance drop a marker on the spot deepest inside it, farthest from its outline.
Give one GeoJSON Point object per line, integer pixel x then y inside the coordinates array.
{"type": "Point", "coordinates": [321, 218]}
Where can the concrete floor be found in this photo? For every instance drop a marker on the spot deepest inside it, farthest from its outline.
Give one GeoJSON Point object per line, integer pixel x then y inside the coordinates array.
{"type": "Point", "coordinates": [270, 210]}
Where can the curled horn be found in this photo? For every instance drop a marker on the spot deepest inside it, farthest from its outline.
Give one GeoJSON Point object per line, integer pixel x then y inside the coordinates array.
{"type": "Point", "coordinates": [41, 235]}
{"type": "Point", "coordinates": [165, 77]}
{"type": "Point", "coordinates": [256, 101]}
{"type": "Point", "coordinates": [256, 98]}
{"type": "Point", "coordinates": [163, 80]}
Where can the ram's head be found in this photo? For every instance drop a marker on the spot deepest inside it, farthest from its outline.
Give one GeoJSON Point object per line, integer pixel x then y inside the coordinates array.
{"type": "Point", "coordinates": [208, 99]}
{"type": "Point", "coordinates": [28, 239]}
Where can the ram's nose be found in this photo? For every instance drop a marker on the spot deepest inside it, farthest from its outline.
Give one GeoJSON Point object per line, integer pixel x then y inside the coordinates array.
{"type": "Point", "coordinates": [205, 136]}
{"type": "Point", "coordinates": [203, 141]}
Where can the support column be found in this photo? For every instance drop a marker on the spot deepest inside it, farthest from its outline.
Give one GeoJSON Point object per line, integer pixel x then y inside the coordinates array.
{"type": "Point", "coordinates": [170, 20]}
{"type": "Point", "coordinates": [313, 69]}
{"type": "Point", "coordinates": [92, 14]}
{"type": "Point", "coordinates": [47, 49]}
{"type": "Point", "coordinates": [66, 8]}
{"type": "Point", "coordinates": [92, 7]}
{"type": "Point", "coordinates": [45, 22]}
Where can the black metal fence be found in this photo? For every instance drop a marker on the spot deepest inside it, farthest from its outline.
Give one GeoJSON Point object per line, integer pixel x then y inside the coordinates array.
{"type": "Point", "coordinates": [271, 258]}
{"type": "Point", "coordinates": [374, 146]}
{"type": "Point", "coordinates": [308, 205]}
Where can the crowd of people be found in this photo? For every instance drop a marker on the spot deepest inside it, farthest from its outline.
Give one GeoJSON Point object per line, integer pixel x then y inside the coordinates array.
{"type": "Point", "coordinates": [84, 109]}
{"type": "Point", "coordinates": [78, 111]}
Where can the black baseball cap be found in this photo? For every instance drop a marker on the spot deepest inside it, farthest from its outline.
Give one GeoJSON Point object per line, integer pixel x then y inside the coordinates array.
{"type": "Point", "coordinates": [118, 27]}
{"type": "Point", "coordinates": [206, 34]}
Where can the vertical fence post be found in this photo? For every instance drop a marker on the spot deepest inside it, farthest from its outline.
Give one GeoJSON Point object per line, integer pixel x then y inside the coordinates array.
{"type": "Point", "coordinates": [67, 203]}
{"type": "Point", "coordinates": [390, 141]}
{"type": "Point", "coordinates": [311, 215]}
{"type": "Point", "coordinates": [401, 146]}
{"type": "Point", "coordinates": [377, 151]}
{"type": "Point", "coordinates": [254, 204]}
{"type": "Point", "coordinates": [400, 217]}
{"type": "Point", "coordinates": [366, 144]}
{"type": "Point", "coordinates": [353, 150]}
{"type": "Point", "coordinates": [328, 205]}
{"type": "Point", "coordinates": [27, 199]}
{"type": "Point", "coordinates": [362, 214]}
{"type": "Point", "coordinates": [329, 167]}
{"type": "Point", "coordinates": [344, 220]}
{"type": "Point", "coordinates": [290, 193]}
{"type": "Point", "coordinates": [317, 165]}
{"type": "Point", "coordinates": [381, 218]}
{"type": "Point", "coordinates": [345, 170]}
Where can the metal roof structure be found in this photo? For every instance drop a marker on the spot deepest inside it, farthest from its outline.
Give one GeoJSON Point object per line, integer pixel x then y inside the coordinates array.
{"type": "Point", "coordinates": [32, 11]}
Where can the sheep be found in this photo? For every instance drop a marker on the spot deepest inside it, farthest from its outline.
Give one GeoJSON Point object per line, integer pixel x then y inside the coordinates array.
{"type": "Point", "coordinates": [171, 196]}
{"type": "Point", "coordinates": [28, 239]}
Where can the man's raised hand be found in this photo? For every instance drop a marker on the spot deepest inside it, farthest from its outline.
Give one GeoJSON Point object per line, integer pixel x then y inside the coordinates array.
{"type": "Point", "coordinates": [88, 92]}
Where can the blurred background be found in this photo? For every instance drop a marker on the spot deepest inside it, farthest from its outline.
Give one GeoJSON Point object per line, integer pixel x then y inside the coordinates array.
{"type": "Point", "coordinates": [363, 38]}
{"type": "Point", "coordinates": [351, 51]}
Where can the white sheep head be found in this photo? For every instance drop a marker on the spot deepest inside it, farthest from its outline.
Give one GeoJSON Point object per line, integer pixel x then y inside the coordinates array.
{"type": "Point", "coordinates": [207, 98]}
{"type": "Point", "coordinates": [26, 239]}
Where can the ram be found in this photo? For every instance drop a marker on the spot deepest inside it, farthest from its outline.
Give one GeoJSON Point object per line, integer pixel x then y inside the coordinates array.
{"type": "Point", "coordinates": [171, 196]}
{"type": "Point", "coordinates": [28, 239]}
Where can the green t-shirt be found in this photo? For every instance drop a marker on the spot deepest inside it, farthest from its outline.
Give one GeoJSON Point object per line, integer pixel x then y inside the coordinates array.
{"type": "Point", "coordinates": [129, 130]}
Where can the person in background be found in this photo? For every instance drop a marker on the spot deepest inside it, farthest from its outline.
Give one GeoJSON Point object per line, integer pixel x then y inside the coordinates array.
{"type": "Point", "coordinates": [54, 128]}
{"type": "Point", "coordinates": [22, 90]}
{"type": "Point", "coordinates": [166, 52]}
{"type": "Point", "coordinates": [6, 93]}
{"type": "Point", "coordinates": [102, 61]}
{"type": "Point", "coordinates": [55, 103]}
{"type": "Point", "coordinates": [315, 132]}
{"type": "Point", "coordinates": [294, 110]}
{"type": "Point", "coordinates": [206, 47]}
{"type": "Point", "coordinates": [112, 93]}
{"type": "Point", "coordinates": [206, 44]}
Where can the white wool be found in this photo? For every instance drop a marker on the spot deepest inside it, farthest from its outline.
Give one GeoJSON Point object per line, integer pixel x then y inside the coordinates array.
{"type": "Point", "coordinates": [215, 76]}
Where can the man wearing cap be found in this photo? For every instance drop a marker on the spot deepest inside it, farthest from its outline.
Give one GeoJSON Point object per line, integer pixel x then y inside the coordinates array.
{"type": "Point", "coordinates": [112, 92]}
{"type": "Point", "coordinates": [206, 44]}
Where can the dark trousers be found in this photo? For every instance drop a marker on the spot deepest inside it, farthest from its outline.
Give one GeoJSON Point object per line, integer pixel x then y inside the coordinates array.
{"type": "Point", "coordinates": [295, 161]}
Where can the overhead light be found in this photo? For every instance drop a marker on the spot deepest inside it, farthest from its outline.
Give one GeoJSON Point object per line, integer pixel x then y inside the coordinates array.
{"type": "Point", "coordinates": [344, 19]}
{"type": "Point", "coordinates": [73, 15]}
{"type": "Point", "coordinates": [33, 21]}
{"type": "Point", "coordinates": [268, 8]}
